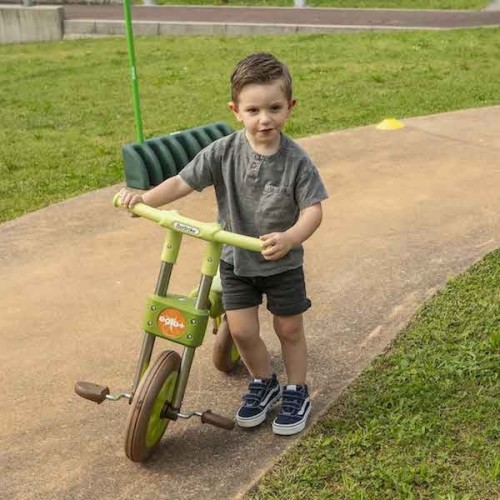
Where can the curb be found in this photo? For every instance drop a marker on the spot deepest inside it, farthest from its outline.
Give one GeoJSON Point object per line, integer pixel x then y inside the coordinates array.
{"type": "Point", "coordinates": [78, 28]}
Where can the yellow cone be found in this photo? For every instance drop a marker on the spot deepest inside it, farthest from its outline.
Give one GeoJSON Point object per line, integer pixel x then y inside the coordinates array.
{"type": "Point", "coordinates": [390, 124]}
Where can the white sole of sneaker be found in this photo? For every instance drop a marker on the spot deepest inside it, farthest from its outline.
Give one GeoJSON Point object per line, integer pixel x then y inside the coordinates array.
{"type": "Point", "coordinates": [290, 430]}
{"type": "Point", "coordinates": [257, 419]}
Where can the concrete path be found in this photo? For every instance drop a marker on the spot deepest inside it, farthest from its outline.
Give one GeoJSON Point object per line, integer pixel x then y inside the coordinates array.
{"type": "Point", "coordinates": [408, 210]}
{"type": "Point", "coordinates": [176, 20]}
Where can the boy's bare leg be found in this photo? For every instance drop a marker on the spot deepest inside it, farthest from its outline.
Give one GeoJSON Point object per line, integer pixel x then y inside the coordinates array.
{"type": "Point", "coordinates": [290, 331]}
{"type": "Point", "coordinates": [245, 330]}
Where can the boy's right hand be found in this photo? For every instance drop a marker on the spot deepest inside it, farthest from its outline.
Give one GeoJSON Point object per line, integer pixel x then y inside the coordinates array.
{"type": "Point", "coordinates": [129, 199]}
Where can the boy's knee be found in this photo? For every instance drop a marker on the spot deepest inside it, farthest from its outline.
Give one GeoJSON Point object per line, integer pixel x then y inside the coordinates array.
{"type": "Point", "coordinates": [289, 329]}
{"type": "Point", "coordinates": [244, 333]}
{"type": "Point", "coordinates": [241, 334]}
{"type": "Point", "coordinates": [243, 324]}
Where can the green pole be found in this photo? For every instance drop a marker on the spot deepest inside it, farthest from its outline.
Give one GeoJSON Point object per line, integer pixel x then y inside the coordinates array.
{"type": "Point", "coordinates": [136, 102]}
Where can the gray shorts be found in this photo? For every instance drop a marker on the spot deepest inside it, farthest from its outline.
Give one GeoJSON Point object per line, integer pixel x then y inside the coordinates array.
{"type": "Point", "coordinates": [285, 292]}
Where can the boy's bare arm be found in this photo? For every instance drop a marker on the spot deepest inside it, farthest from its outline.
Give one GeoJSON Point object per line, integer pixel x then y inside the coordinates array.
{"type": "Point", "coordinates": [170, 190]}
{"type": "Point", "coordinates": [309, 220]}
{"type": "Point", "coordinates": [277, 245]}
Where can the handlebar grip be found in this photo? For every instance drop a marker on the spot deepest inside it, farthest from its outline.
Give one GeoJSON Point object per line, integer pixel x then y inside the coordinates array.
{"type": "Point", "coordinates": [208, 231]}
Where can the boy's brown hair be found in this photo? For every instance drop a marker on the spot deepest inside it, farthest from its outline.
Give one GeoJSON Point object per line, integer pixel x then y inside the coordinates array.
{"type": "Point", "coordinates": [260, 67]}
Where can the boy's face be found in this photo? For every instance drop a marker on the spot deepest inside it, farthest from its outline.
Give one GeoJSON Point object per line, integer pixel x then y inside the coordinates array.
{"type": "Point", "coordinates": [263, 109]}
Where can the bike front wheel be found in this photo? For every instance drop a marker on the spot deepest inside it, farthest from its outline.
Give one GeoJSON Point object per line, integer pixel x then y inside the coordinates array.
{"type": "Point", "coordinates": [145, 426]}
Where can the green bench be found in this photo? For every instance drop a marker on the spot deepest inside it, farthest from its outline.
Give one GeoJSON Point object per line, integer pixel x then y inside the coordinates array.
{"type": "Point", "coordinates": [149, 163]}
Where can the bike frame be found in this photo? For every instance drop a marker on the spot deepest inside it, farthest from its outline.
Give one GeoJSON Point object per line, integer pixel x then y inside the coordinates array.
{"type": "Point", "coordinates": [182, 319]}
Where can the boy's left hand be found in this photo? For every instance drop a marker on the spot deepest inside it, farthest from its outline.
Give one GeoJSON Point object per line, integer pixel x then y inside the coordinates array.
{"type": "Point", "coordinates": [276, 245]}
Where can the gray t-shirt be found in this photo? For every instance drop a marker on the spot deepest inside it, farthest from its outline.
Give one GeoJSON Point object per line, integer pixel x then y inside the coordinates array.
{"type": "Point", "coordinates": [257, 194]}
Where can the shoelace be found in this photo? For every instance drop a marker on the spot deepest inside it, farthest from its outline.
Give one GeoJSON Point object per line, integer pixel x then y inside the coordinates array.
{"type": "Point", "coordinates": [254, 397]}
{"type": "Point", "coordinates": [292, 401]}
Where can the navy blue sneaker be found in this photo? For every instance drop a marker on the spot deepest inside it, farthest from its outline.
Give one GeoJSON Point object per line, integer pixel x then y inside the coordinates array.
{"type": "Point", "coordinates": [262, 395]}
{"type": "Point", "coordinates": [295, 408]}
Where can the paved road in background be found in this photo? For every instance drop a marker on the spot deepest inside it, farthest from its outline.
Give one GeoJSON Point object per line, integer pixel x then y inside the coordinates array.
{"type": "Point", "coordinates": [291, 16]}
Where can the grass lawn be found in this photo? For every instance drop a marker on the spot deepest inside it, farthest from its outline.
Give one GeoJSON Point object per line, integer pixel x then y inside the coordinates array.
{"type": "Point", "coordinates": [422, 422]}
{"type": "Point", "coordinates": [344, 4]}
{"type": "Point", "coordinates": [66, 106]}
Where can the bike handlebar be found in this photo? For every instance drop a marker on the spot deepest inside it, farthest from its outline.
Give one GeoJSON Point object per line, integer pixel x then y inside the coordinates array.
{"type": "Point", "coordinates": [208, 231]}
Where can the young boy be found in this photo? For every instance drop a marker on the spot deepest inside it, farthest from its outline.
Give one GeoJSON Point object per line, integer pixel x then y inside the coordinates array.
{"type": "Point", "coordinates": [266, 186]}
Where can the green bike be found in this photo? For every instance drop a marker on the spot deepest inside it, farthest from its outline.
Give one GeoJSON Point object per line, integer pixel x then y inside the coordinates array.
{"type": "Point", "coordinates": [159, 387]}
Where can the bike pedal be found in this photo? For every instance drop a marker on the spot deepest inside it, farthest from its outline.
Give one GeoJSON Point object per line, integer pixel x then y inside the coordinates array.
{"type": "Point", "coordinates": [208, 417]}
{"type": "Point", "coordinates": [91, 391]}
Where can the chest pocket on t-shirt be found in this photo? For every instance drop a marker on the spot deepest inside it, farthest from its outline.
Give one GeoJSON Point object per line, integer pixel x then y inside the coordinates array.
{"type": "Point", "coordinates": [277, 209]}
